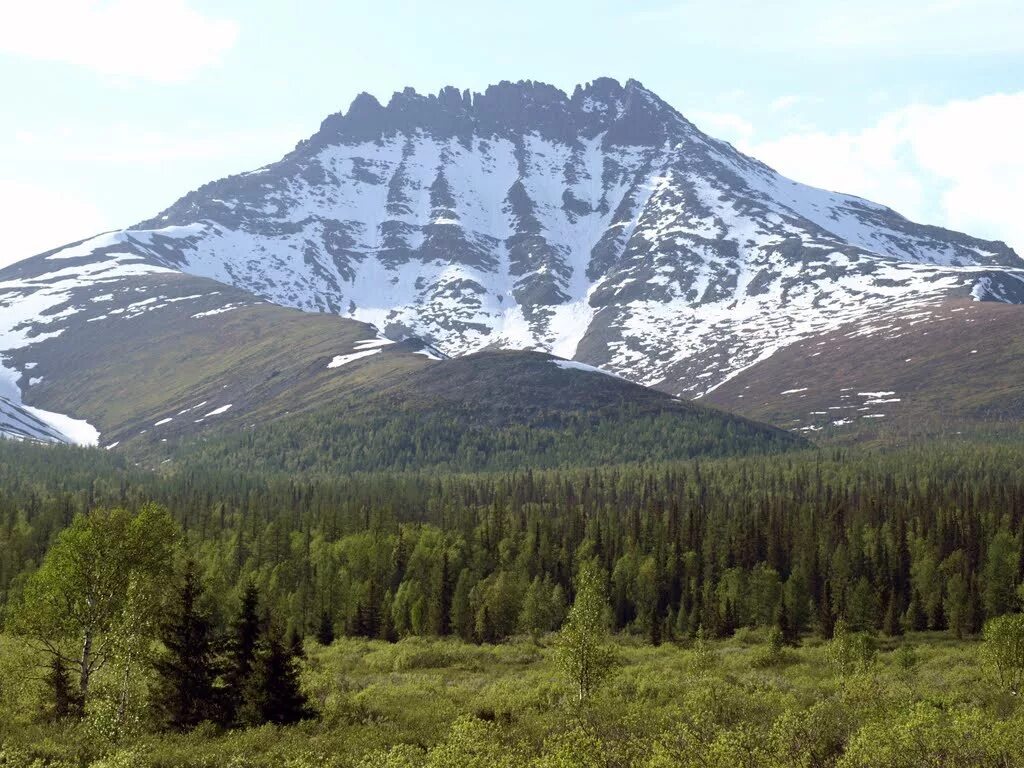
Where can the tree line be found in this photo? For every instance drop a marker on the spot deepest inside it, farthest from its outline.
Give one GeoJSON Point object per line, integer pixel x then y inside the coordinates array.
{"type": "Point", "coordinates": [927, 538]}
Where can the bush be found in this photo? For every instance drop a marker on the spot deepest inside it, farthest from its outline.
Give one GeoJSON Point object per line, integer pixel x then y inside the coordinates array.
{"type": "Point", "coordinates": [850, 652]}
{"type": "Point", "coordinates": [928, 735]}
{"type": "Point", "coordinates": [1004, 650]}
{"type": "Point", "coordinates": [773, 654]}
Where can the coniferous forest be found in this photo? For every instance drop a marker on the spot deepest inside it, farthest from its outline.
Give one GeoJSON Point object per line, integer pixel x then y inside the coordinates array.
{"type": "Point", "coordinates": [838, 606]}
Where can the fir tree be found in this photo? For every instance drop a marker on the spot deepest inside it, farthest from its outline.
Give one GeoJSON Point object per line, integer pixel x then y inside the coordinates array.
{"type": "Point", "coordinates": [655, 629]}
{"type": "Point", "coordinates": [439, 614]}
{"type": "Point", "coordinates": [186, 693]}
{"type": "Point", "coordinates": [295, 643]}
{"type": "Point", "coordinates": [272, 693]}
{"type": "Point", "coordinates": [916, 619]}
{"type": "Point", "coordinates": [65, 702]}
{"type": "Point", "coordinates": [787, 628]}
{"type": "Point", "coordinates": [325, 631]}
{"type": "Point", "coordinates": [246, 631]}
{"type": "Point", "coordinates": [891, 624]}
{"type": "Point", "coordinates": [462, 622]}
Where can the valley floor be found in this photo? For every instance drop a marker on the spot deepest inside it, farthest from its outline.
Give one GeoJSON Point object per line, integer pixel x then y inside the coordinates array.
{"type": "Point", "coordinates": [924, 700]}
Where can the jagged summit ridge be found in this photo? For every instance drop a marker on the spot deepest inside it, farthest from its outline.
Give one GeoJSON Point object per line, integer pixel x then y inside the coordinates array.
{"type": "Point", "coordinates": [630, 112]}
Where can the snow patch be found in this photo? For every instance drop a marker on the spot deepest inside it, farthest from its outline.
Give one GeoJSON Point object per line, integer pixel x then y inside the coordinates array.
{"type": "Point", "coordinates": [573, 365]}
{"type": "Point", "coordinates": [339, 360]}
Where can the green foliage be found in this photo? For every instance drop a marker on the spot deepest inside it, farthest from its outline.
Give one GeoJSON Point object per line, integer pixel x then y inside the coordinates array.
{"type": "Point", "coordinates": [773, 653]}
{"type": "Point", "coordinates": [272, 693]}
{"type": "Point", "coordinates": [1004, 650]}
{"type": "Point", "coordinates": [725, 544]}
{"type": "Point", "coordinates": [413, 430]}
{"type": "Point", "coordinates": [929, 735]}
{"type": "Point", "coordinates": [473, 743]}
{"type": "Point", "coordinates": [905, 657]}
{"type": "Point", "coordinates": [584, 653]}
{"type": "Point", "coordinates": [186, 693]}
{"type": "Point", "coordinates": [703, 658]}
{"type": "Point", "coordinates": [100, 591]}
{"type": "Point", "coordinates": [496, 706]}
{"type": "Point", "coordinates": [851, 652]}
{"type": "Point", "coordinates": [751, 556]}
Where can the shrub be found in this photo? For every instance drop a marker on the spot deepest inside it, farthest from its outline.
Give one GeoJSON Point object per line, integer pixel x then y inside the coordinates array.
{"type": "Point", "coordinates": [850, 652]}
{"type": "Point", "coordinates": [1004, 650]}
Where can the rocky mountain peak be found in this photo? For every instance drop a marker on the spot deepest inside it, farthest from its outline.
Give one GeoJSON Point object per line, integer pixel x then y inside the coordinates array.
{"type": "Point", "coordinates": [600, 226]}
{"type": "Point", "coordinates": [625, 113]}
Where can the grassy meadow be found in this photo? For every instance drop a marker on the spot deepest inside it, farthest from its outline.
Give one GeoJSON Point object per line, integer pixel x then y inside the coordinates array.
{"type": "Point", "coordinates": [920, 700]}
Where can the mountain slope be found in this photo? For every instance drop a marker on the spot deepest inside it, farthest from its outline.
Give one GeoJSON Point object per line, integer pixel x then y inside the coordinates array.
{"type": "Point", "coordinates": [492, 410]}
{"type": "Point", "coordinates": [939, 370]}
{"type": "Point", "coordinates": [152, 360]}
{"type": "Point", "coordinates": [600, 226]}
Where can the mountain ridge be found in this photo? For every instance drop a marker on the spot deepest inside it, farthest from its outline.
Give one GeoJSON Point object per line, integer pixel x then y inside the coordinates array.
{"type": "Point", "coordinates": [600, 226]}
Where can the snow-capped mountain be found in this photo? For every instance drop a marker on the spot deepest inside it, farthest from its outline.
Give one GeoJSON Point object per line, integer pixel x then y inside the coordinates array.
{"type": "Point", "coordinates": [600, 226]}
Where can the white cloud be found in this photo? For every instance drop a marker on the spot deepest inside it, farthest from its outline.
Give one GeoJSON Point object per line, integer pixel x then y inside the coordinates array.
{"type": "Point", "coordinates": [880, 27]}
{"type": "Point", "coordinates": [959, 165]}
{"type": "Point", "coordinates": [42, 218]}
{"type": "Point", "coordinates": [726, 125]}
{"type": "Point", "coordinates": [157, 40]}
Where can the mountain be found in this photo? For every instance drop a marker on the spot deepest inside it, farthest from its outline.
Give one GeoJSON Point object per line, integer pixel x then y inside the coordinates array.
{"type": "Point", "coordinates": [600, 226]}
{"type": "Point", "coordinates": [167, 365]}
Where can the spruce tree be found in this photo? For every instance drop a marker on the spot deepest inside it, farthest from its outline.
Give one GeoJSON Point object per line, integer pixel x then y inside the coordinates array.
{"type": "Point", "coordinates": [917, 619]}
{"type": "Point", "coordinates": [655, 628]}
{"type": "Point", "coordinates": [387, 621]}
{"type": "Point", "coordinates": [462, 620]}
{"type": "Point", "coordinates": [891, 624]}
{"type": "Point", "coordinates": [272, 693]}
{"type": "Point", "coordinates": [439, 613]}
{"type": "Point", "coordinates": [186, 693]}
{"type": "Point", "coordinates": [787, 628]}
{"type": "Point", "coordinates": [246, 631]}
{"type": "Point", "coordinates": [325, 632]}
{"type": "Point", "coordinates": [65, 702]}
{"type": "Point", "coordinates": [295, 643]}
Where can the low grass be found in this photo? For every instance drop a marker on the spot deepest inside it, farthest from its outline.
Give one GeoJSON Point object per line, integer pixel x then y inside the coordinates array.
{"type": "Point", "coordinates": [424, 702]}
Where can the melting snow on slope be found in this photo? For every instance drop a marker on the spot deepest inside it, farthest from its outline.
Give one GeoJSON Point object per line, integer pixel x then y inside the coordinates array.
{"type": "Point", "coordinates": [339, 360]}
{"type": "Point", "coordinates": [365, 344]}
{"type": "Point", "coordinates": [77, 431]}
{"type": "Point", "coordinates": [572, 365]}
{"type": "Point", "coordinates": [18, 420]}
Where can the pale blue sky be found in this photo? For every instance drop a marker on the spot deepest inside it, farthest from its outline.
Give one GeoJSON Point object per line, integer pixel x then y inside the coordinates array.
{"type": "Point", "coordinates": [112, 110]}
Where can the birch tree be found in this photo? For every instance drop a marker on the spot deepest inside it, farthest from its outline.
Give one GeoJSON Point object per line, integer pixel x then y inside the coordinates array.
{"type": "Point", "coordinates": [584, 652]}
{"type": "Point", "coordinates": [99, 592]}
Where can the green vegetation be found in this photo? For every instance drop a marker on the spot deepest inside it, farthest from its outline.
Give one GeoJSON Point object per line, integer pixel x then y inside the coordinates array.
{"type": "Point", "coordinates": [904, 541]}
{"type": "Point", "coordinates": [442, 702]}
{"type": "Point", "coordinates": [817, 608]}
{"type": "Point", "coordinates": [457, 439]}
{"type": "Point", "coordinates": [485, 412]}
{"type": "Point", "coordinates": [583, 651]}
